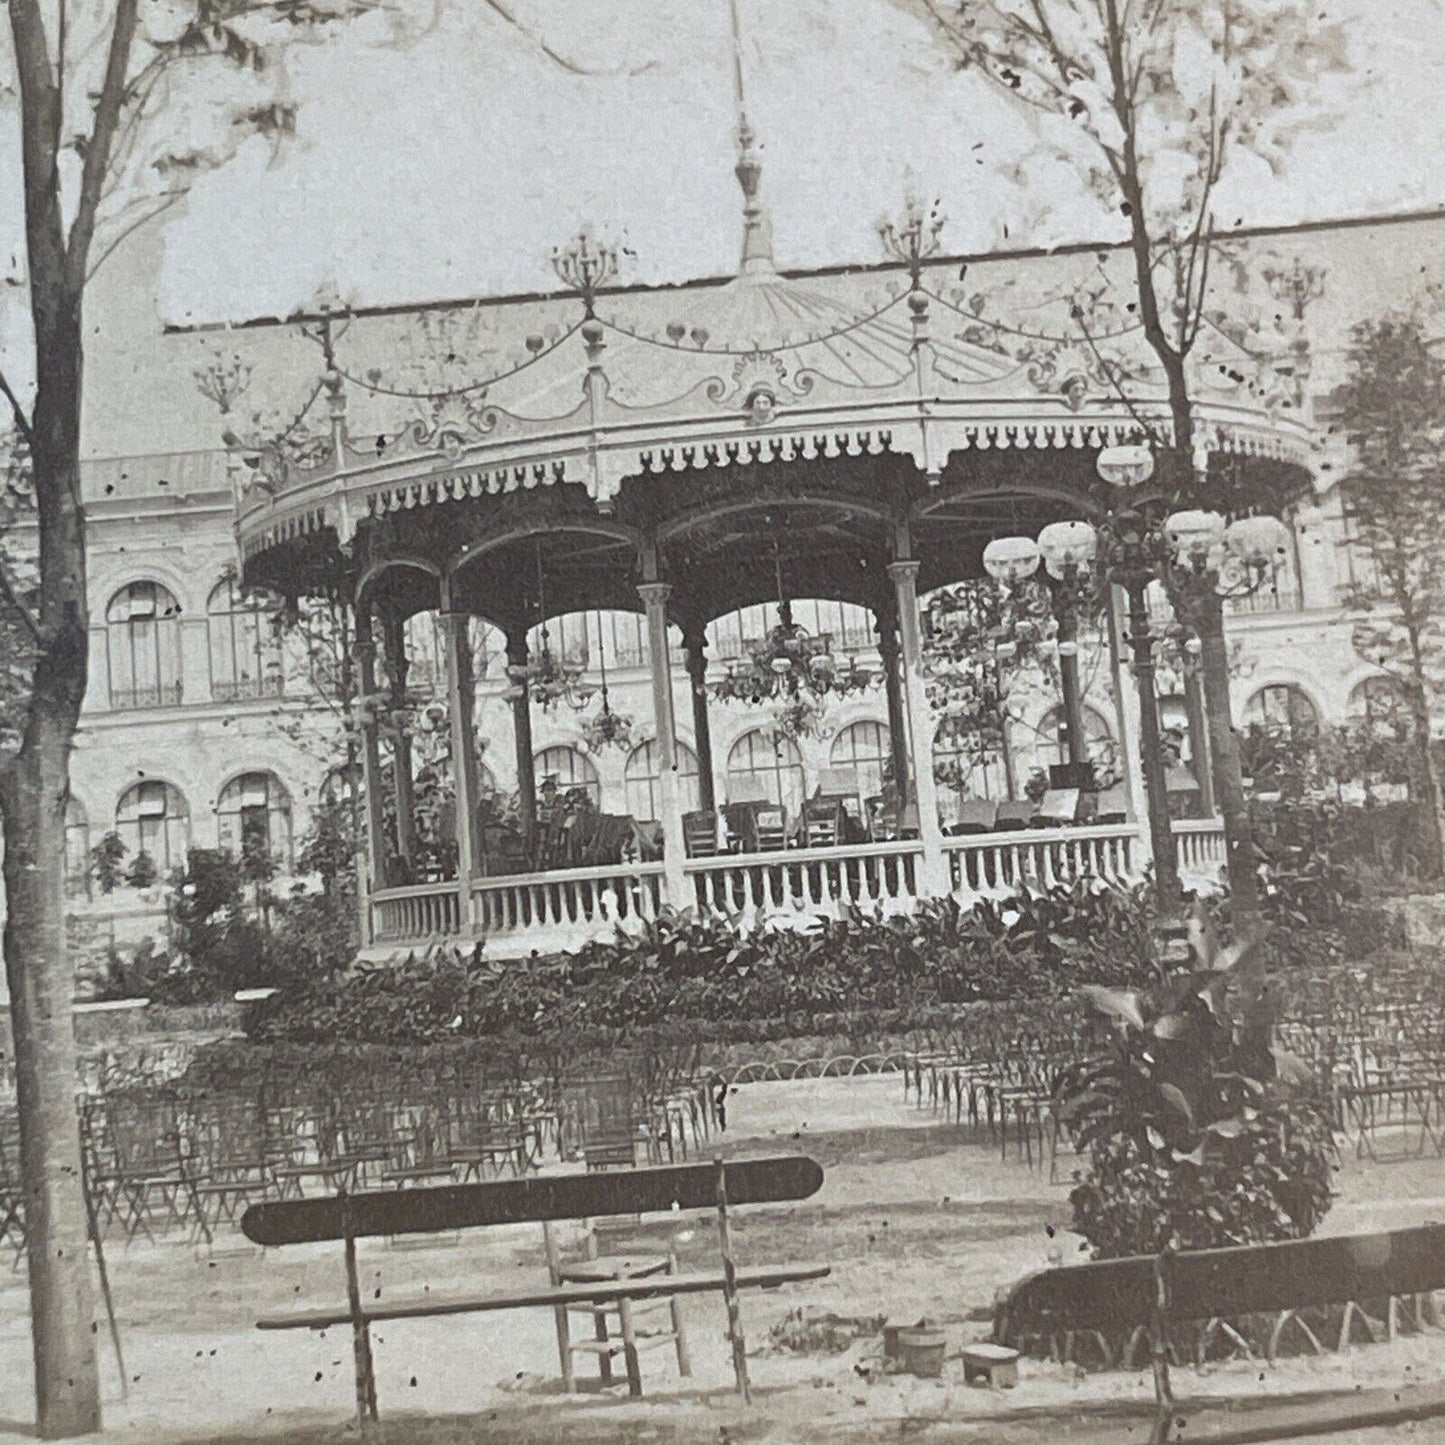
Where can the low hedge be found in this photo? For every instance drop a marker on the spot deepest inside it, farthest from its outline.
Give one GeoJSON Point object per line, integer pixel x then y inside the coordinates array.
{"type": "Point", "coordinates": [738, 986]}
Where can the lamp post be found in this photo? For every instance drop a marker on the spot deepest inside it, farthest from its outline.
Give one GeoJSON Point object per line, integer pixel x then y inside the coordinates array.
{"type": "Point", "coordinates": [1069, 551]}
{"type": "Point", "coordinates": [1132, 560]}
{"type": "Point", "coordinates": [1210, 560]}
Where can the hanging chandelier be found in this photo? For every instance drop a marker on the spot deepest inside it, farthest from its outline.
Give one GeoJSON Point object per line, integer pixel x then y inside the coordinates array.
{"type": "Point", "coordinates": [790, 663]}
{"type": "Point", "coordinates": [548, 679]}
{"type": "Point", "coordinates": [608, 729]}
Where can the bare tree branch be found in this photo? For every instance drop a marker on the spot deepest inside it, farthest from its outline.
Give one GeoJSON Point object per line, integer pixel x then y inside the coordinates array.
{"type": "Point", "coordinates": [98, 149]}
{"type": "Point", "coordinates": [22, 422]}
{"type": "Point", "coordinates": [555, 56]}
{"type": "Point", "coordinates": [169, 200]}
{"type": "Point", "coordinates": [9, 596]}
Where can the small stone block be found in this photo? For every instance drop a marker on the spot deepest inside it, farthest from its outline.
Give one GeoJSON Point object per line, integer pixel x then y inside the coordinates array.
{"type": "Point", "coordinates": [891, 1330]}
{"type": "Point", "coordinates": [995, 1365]}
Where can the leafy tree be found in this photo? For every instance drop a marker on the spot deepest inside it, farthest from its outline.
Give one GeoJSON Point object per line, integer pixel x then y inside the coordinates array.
{"type": "Point", "coordinates": [1157, 102]}
{"type": "Point", "coordinates": [105, 861]}
{"type": "Point", "coordinates": [1392, 411]}
{"type": "Point", "coordinates": [92, 87]}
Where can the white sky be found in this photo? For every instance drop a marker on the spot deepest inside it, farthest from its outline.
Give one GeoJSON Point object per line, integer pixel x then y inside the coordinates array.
{"type": "Point", "coordinates": [452, 168]}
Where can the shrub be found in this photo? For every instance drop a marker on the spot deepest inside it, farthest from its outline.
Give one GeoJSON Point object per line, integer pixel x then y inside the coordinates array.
{"type": "Point", "coordinates": [1187, 1100]}
{"type": "Point", "coordinates": [775, 983]}
{"type": "Point", "coordinates": [106, 862]}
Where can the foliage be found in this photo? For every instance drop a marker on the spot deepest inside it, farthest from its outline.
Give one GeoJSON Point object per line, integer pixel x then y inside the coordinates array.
{"type": "Point", "coordinates": [1314, 864]}
{"type": "Point", "coordinates": [982, 641]}
{"type": "Point", "coordinates": [105, 861]}
{"type": "Point", "coordinates": [1392, 410]}
{"type": "Point", "coordinates": [142, 872]}
{"type": "Point", "coordinates": [1191, 1099]}
{"type": "Point", "coordinates": [329, 847]}
{"type": "Point", "coordinates": [707, 972]}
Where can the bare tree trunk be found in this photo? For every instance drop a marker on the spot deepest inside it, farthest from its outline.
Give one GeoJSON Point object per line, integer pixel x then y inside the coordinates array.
{"type": "Point", "coordinates": [32, 797]}
{"type": "Point", "coordinates": [1429, 767]}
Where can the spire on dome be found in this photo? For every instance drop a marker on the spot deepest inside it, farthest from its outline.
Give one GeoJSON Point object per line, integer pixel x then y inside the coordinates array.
{"type": "Point", "coordinates": [757, 253]}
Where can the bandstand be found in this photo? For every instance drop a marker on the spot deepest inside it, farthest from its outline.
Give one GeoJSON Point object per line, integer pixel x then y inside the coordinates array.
{"type": "Point", "coordinates": [675, 452]}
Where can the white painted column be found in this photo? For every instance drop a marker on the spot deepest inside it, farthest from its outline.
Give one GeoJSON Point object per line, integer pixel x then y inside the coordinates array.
{"type": "Point", "coordinates": [934, 880]}
{"type": "Point", "coordinates": [659, 658]}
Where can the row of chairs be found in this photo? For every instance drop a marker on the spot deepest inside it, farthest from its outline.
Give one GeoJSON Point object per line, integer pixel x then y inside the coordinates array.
{"type": "Point", "coordinates": [161, 1160]}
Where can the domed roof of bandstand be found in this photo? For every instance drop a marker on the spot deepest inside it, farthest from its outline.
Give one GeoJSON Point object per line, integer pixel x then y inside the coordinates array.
{"type": "Point", "coordinates": [715, 435]}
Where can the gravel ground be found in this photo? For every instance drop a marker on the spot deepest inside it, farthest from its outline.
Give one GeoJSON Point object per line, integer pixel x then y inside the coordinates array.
{"type": "Point", "coordinates": [916, 1218]}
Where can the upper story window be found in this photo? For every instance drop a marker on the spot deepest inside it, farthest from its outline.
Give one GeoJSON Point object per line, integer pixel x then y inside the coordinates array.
{"type": "Point", "coordinates": [1279, 589]}
{"type": "Point", "coordinates": [1053, 748]}
{"type": "Point", "coordinates": [766, 767]}
{"type": "Point", "coordinates": [644, 781]}
{"type": "Point", "coordinates": [862, 750]}
{"type": "Point", "coordinates": [850, 627]}
{"type": "Point", "coordinates": [254, 818]}
{"type": "Point", "coordinates": [152, 818]}
{"type": "Point", "coordinates": [244, 646]}
{"type": "Point", "coordinates": [143, 646]}
{"type": "Point", "coordinates": [568, 770]}
{"type": "Point", "coordinates": [1282, 708]}
{"type": "Point", "coordinates": [77, 849]}
{"type": "Point", "coordinates": [967, 770]}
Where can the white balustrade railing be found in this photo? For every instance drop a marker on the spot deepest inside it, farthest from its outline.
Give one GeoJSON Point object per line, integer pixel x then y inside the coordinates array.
{"type": "Point", "coordinates": [573, 902]}
{"type": "Point", "coordinates": [996, 864]}
{"type": "Point", "coordinates": [1201, 847]}
{"type": "Point", "coordinates": [564, 909]}
{"type": "Point", "coordinates": [804, 880]}
{"type": "Point", "coordinates": [413, 915]}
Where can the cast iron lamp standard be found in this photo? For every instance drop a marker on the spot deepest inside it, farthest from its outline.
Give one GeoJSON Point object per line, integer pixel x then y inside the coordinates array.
{"type": "Point", "coordinates": [1132, 555]}
{"type": "Point", "coordinates": [1067, 552]}
{"type": "Point", "coordinates": [1210, 559]}
{"type": "Point", "coordinates": [1200, 558]}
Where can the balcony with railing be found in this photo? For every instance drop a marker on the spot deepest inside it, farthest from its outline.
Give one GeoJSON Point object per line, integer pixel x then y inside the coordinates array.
{"type": "Point", "coordinates": [248, 689]}
{"type": "Point", "coordinates": [162, 694]}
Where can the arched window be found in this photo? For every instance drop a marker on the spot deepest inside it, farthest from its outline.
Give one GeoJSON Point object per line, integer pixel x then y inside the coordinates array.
{"type": "Point", "coordinates": [338, 785]}
{"type": "Point", "coordinates": [766, 765]}
{"type": "Point", "coordinates": [77, 849]}
{"type": "Point", "coordinates": [862, 749]}
{"type": "Point", "coordinates": [1053, 747]}
{"type": "Point", "coordinates": [1282, 708]}
{"type": "Point", "coordinates": [570, 769]}
{"type": "Point", "coordinates": [644, 780]}
{"type": "Point", "coordinates": [152, 818]}
{"type": "Point", "coordinates": [254, 815]}
{"type": "Point", "coordinates": [143, 646]}
{"type": "Point", "coordinates": [1380, 701]}
{"type": "Point", "coordinates": [245, 649]}
{"type": "Point", "coordinates": [966, 772]}
{"type": "Point", "coordinates": [487, 781]}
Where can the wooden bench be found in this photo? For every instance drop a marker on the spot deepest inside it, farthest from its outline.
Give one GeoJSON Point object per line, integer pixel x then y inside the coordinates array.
{"type": "Point", "coordinates": [1145, 1295]}
{"type": "Point", "coordinates": [419, 1211]}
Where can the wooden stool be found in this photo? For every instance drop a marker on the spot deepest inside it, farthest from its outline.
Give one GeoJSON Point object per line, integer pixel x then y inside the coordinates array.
{"type": "Point", "coordinates": [996, 1365]}
{"type": "Point", "coordinates": [606, 1345]}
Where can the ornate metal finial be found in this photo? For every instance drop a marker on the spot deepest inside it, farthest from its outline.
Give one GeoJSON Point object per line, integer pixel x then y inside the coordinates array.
{"type": "Point", "coordinates": [757, 252]}
{"type": "Point", "coordinates": [223, 380]}
{"type": "Point", "coordinates": [914, 237]}
{"type": "Point", "coordinates": [585, 265]}
{"type": "Point", "coordinates": [1298, 287]}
